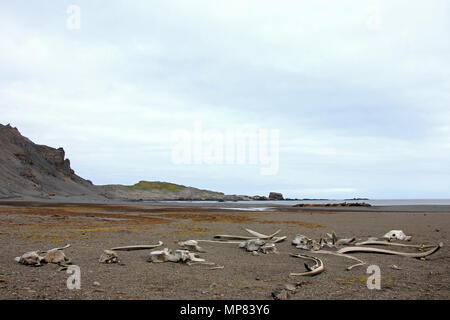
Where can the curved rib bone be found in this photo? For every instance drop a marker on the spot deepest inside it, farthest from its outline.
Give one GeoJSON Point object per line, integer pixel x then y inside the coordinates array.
{"type": "Point", "coordinates": [262, 236]}
{"type": "Point", "coordinates": [361, 263]}
{"type": "Point", "coordinates": [316, 269]}
{"type": "Point", "coordinates": [138, 247]}
{"type": "Point", "coordinates": [232, 237]}
{"type": "Point", "coordinates": [55, 249]}
{"type": "Point", "coordinates": [220, 241]}
{"type": "Point", "coordinates": [256, 235]}
{"type": "Point", "coordinates": [387, 243]}
{"type": "Point", "coordinates": [278, 239]}
{"type": "Point", "coordinates": [346, 241]}
{"type": "Point", "coordinates": [404, 254]}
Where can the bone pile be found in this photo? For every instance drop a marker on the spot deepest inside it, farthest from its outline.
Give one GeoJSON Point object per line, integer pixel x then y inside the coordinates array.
{"type": "Point", "coordinates": [345, 245]}
{"type": "Point", "coordinates": [255, 243]}
{"type": "Point", "coordinates": [167, 255]}
{"type": "Point", "coordinates": [38, 258]}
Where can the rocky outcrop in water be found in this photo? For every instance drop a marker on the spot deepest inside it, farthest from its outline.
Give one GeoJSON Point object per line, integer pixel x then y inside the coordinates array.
{"type": "Point", "coordinates": [275, 196]}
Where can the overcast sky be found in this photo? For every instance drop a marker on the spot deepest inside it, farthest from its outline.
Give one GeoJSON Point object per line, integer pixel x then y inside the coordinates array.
{"type": "Point", "coordinates": [358, 90]}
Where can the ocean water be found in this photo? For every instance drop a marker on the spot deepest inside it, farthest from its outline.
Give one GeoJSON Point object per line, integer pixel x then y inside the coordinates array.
{"type": "Point", "coordinates": [374, 202]}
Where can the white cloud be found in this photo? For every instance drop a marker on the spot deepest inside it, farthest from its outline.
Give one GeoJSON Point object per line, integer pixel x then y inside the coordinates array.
{"type": "Point", "coordinates": [358, 106]}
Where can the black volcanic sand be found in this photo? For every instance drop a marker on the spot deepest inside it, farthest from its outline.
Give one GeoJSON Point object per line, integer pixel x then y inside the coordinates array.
{"type": "Point", "coordinates": [90, 228]}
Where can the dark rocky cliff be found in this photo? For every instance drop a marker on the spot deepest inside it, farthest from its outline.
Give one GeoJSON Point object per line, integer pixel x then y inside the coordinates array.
{"type": "Point", "coordinates": [29, 169]}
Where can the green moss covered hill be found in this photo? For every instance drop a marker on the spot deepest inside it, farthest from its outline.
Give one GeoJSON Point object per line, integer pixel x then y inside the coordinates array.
{"type": "Point", "coordinates": [168, 187]}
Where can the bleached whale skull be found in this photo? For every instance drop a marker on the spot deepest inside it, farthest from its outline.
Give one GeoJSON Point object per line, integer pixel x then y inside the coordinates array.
{"type": "Point", "coordinates": [36, 258]}
{"type": "Point", "coordinates": [31, 258]}
{"type": "Point", "coordinates": [255, 245]}
{"type": "Point", "coordinates": [109, 256]}
{"type": "Point", "coordinates": [397, 234]}
{"type": "Point", "coordinates": [300, 240]}
{"type": "Point", "coordinates": [56, 256]}
{"type": "Point", "coordinates": [166, 255]}
{"type": "Point", "coordinates": [303, 242]}
{"type": "Point", "coordinates": [252, 245]}
{"type": "Point", "coordinates": [269, 248]}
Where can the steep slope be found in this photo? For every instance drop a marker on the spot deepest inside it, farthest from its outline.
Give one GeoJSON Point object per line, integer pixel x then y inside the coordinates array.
{"type": "Point", "coordinates": [28, 169]}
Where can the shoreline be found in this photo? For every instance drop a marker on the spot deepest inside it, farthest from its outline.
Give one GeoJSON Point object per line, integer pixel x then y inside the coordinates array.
{"type": "Point", "coordinates": [231, 205]}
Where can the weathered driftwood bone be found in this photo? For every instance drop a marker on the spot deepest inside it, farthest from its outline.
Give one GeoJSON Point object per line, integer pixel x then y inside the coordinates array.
{"type": "Point", "coordinates": [138, 247]}
{"type": "Point", "coordinates": [317, 268]}
{"type": "Point", "coordinates": [404, 254]}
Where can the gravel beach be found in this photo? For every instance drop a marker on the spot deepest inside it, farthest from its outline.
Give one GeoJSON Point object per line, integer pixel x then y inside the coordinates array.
{"type": "Point", "coordinates": [91, 228]}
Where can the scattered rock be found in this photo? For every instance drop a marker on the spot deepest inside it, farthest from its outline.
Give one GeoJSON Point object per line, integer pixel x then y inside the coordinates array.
{"type": "Point", "coordinates": [395, 267]}
{"type": "Point", "coordinates": [343, 204]}
{"type": "Point", "coordinates": [290, 287]}
{"type": "Point", "coordinates": [259, 198]}
{"type": "Point", "coordinates": [280, 294]}
{"type": "Point", "coordinates": [96, 283]}
{"type": "Point", "coordinates": [302, 283]}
